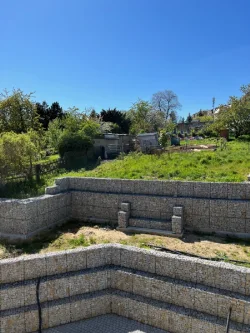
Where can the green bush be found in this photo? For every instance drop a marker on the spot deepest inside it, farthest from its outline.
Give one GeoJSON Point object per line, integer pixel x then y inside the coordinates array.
{"type": "Point", "coordinates": [74, 142]}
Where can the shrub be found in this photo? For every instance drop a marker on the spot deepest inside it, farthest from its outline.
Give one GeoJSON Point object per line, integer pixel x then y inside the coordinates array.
{"type": "Point", "coordinates": [18, 152]}
{"type": "Point", "coordinates": [74, 142]}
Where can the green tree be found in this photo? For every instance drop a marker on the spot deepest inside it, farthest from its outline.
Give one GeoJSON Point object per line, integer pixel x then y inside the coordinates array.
{"type": "Point", "coordinates": [54, 133]}
{"type": "Point", "coordinates": [74, 142]}
{"type": "Point", "coordinates": [236, 115]}
{"type": "Point", "coordinates": [144, 118]}
{"type": "Point", "coordinates": [18, 153]}
{"type": "Point", "coordinates": [189, 119]}
{"type": "Point", "coordinates": [116, 117]}
{"type": "Point", "coordinates": [17, 112]}
{"type": "Point", "coordinates": [163, 138]}
{"type": "Point", "coordinates": [91, 129]}
{"type": "Point", "coordinates": [47, 114]}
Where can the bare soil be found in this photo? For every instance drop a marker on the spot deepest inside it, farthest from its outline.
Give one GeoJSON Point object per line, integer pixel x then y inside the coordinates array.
{"type": "Point", "coordinates": [73, 235]}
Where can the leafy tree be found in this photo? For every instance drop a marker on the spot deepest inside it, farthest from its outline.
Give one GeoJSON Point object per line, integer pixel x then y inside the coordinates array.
{"type": "Point", "coordinates": [43, 113]}
{"type": "Point", "coordinates": [235, 116]}
{"type": "Point", "coordinates": [17, 112]}
{"type": "Point", "coordinates": [163, 138]}
{"type": "Point", "coordinates": [91, 129]}
{"type": "Point", "coordinates": [170, 126]}
{"type": "Point", "coordinates": [55, 111]}
{"type": "Point", "coordinates": [189, 119]}
{"type": "Point", "coordinates": [157, 120]}
{"type": "Point", "coordinates": [93, 115]}
{"type": "Point", "coordinates": [139, 115]}
{"type": "Point", "coordinates": [204, 119]}
{"type": "Point", "coordinates": [54, 133]}
{"type": "Point", "coordinates": [48, 113]}
{"type": "Point", "coordinates": [18, 153]}
{"type": "Point", "coordinates": [166, 101]}
{"type": "Point", "coordinates": [74, 142]}
{"type": "Point", "coordinates": [173, 116]}
{"type": "Point", "coordinates": [116, 117]}
{"type": "Point", "coordinates": [73, 120]}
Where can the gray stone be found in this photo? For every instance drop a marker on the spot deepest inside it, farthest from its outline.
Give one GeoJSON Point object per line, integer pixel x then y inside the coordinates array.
{"type": "Point", "coordinates": [123, 218]}
{"type": "Point", "coordinates": [34, 266]}
{"type": "Point", "coordinates": [169, 188]}
{"type": "Point", "coordinates": [202, 189]}
{"type": "Point", "coordinates": [56, 263]}
{"type": "Point", "coordinates": [122, 280]}
{"type": "Point", "coordinates": [162, 290]}
{"type": "Point", "coordinates": [201, 206]}
{"type": "Point", "coordinates": [12, 270]}
{"type": "Point", "coordinates": [205, 272]}
{"type": "Point", "coordinates": [165, 264]}
{"type": "Point", "coordinates": [218, 208]}
{"type": "Point", "coordinates": [185, 189]}
{"type": "Point", "coordinates": [235, 225]}
{"type": "Point", "coordinates": [52, 190]}
{"type": "Point", "coordinates": [59, 314]}
{"type": "Point", "coordinates": [198, 222]}
{"type": "Point", "coordinates": [100, 305]}
{"type": "Point", "coordinates": [79, 284]}
{"type": "Point", "coordinates": [178, 211]}
{"type": "Point", "coordinates": [125, 206]}
{"type": "Point", "coordinates": [185, 268]}
{"type": "Point", "coordinates": [237, 209]}
{"type": "Point", "coordinates": [80, 309]}
{"type": "Point", "coordinates": [58, 288]}
{"type": "Point", "coordinates": [12, 297]}
{"type": "Point", "coordinates": [183, 295]}
{"type": "Point", "coordinates": [99, 255]}
{"type": "Point", "coordinates": [14, 323]}
{"type": "Point", "coordinates": [142, 285]}
{"type": "Point", "coordinates": [127, 186]}
{"type": "Point", "coordinates": [76, 259]}
{"type": "Point", "coordinates": [177, 224]}
{"type": "Point", "coordinates": [218, 190]}
{"type": "Point", "coordinates": [218, 223]}
{"type": "Point", "coordinates": [206, 301]}
{"type": "Point", "coordinates": [98, 281]}
{"type": "Point", "coordinates": [236, 191]}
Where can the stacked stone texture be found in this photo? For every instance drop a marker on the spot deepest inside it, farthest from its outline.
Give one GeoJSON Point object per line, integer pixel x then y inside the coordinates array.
{"type": "Point", "coordinates": [171, 292]}
{"type": "Point", "coordinates": [223, 208]}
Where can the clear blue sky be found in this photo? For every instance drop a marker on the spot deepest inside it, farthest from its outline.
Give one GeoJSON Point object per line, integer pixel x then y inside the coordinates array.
{"type": "Point", "coordinates": [108, 53]}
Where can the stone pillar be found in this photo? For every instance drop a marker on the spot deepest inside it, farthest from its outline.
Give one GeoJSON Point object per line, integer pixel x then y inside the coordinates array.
{"type": "Point", "coordinates": [123, 215]}
{"type": "Point", "coordinates": [177, 220]}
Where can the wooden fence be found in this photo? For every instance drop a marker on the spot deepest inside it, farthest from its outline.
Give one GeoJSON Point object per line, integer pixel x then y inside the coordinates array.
{"type": "Point", "coordinates": [37, 171]}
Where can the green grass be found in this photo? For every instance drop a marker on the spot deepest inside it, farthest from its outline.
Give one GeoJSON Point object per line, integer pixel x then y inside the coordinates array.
{"type": "Point", "coordinates": [47, 159]}
{"type": "Point", "coordinates": [229, 165]}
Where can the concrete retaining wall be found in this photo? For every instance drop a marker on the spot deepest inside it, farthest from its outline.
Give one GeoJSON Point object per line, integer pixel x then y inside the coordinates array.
{"type": "Point", "coordinates": [175, 293]}
{"type": "Point", "coordinates": [223, 208]}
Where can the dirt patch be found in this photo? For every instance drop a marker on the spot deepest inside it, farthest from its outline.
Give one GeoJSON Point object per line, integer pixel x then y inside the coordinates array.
{"type": "Point", "coordinates": [78, 235]}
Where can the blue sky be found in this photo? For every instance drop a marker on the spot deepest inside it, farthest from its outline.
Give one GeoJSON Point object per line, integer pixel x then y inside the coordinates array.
{"type": "Point", "coordinates": [109, 53]}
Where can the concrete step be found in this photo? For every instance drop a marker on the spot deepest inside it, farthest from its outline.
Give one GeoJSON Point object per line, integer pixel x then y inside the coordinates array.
{"type": "Point", "coordinates": [141, 222]}
{"type": "Point", "coordinates": [138, 230]}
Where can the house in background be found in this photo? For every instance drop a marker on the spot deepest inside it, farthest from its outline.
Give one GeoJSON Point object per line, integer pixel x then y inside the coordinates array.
{"type": "Point", "coordinates": [111, 145]}
{"type": "Point", "coordinates": [148, 141]}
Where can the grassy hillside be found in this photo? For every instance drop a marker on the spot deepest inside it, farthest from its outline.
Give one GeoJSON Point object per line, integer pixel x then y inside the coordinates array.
{"type": "Point", "coordinates": [229, 165]}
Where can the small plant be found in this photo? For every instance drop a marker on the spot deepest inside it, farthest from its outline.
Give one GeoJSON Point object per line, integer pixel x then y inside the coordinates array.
{"type": "Point", "coordinates": [80, 241]}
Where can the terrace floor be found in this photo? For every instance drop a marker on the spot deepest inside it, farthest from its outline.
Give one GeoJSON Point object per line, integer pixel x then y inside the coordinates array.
{"type": "Point", "coordinates": [105, 324]}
